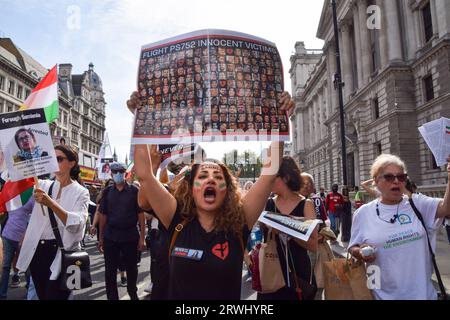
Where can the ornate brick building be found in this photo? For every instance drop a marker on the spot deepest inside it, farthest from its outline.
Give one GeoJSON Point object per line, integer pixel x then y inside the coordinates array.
{"type": "Point", "coordinates": [81, 102]}
{"type": "Point", "coordinates": [395, 58]}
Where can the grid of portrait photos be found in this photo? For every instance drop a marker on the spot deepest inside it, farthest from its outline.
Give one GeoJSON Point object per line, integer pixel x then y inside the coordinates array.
{"type": "Point", "coordinates": [220, 84]}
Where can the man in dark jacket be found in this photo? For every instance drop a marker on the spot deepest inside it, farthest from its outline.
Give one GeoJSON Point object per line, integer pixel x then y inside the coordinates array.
{"type": "Point", "coordinates": [119, 235]}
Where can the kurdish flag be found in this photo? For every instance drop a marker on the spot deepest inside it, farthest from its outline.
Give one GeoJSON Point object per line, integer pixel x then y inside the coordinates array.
{"type": "Point", "coordinates": [45, 96]}
{"type": "Point", "coordinates": [15, 194]}
{"type": "Point", "coordinates": [447, 129]}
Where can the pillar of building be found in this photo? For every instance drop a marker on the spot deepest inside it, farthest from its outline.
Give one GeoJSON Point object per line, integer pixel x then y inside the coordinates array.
{"type": "Point", "coordinates": [346, 60]}
{"type": "Point", "coordinates": [358, 48]}
{"type": "Point", "coordinates": [365, 45]}
{"type": "Point", "coordinates": [392, 31]}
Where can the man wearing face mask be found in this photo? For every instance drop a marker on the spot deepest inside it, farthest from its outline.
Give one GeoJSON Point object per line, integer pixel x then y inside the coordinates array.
{"type": "Point", "coordinates": [119, 235]}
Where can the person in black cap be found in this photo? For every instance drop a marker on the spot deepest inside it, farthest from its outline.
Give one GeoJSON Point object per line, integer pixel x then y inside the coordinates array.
{"type": "Point", "coordinates": [119, 235]}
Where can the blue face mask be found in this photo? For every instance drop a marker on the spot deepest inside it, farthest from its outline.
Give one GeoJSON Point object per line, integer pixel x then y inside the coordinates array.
{"type": "Point", "coordinates": [119, 177]}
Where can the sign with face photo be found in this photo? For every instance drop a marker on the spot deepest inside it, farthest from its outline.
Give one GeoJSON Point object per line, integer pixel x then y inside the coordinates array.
{"type": "Point", "coordinates": [210, 85]}
{"type": "Point", "coordinates": [27, 144]}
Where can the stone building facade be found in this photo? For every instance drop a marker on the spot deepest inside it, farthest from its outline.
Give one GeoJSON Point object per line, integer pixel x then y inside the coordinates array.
{"type": "Point", "coordinates": [395, 57]}
{"type": "Point", "coordinates": [81, 102]}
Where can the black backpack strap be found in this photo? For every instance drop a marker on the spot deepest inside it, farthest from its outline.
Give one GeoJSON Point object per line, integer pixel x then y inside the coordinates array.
{"type": "Point", "coordinates": [433, 257]}
{"type": "Point", "coordinates": [53, 222]}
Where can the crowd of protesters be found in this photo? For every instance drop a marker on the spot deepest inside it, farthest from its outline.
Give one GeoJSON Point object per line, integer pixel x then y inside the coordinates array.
{"type": "Point", "coordinates": [197, 222]}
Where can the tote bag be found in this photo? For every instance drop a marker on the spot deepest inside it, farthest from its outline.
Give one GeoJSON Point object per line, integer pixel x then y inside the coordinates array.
{"type": "Point", "coordinates": [266, 268]}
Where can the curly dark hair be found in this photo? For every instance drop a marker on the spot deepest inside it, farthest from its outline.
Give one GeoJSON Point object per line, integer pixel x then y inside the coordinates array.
{"type": "Point", "coordinates": [230, 218]}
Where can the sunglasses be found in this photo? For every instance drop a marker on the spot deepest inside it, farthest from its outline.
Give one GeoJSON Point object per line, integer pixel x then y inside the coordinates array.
{"type": "Point", "coordinates": [117, 171]}
{"type": "Point", "coordinates": [391, 178]}
{"type": "Point", "coordinates": [60, 159]}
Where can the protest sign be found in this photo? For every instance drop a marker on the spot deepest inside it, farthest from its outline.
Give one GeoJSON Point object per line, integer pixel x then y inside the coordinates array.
{"type": "Point", "coordinates": [437, 136]}
{"type": "Point", "coordinates": [105, 158]}
{"type": "Point", "coordinates": [104, 170]}
{"type": "Point", "coordinates": [57, 140]}
{"type": "Point", "coordinates": [297, 227]}
{"type": "Point", "coordinates": [210, 85]}
{"type": "Point", "coordinates": [170, 152]}
{"type": "Point", "coordinates": [27, 144]}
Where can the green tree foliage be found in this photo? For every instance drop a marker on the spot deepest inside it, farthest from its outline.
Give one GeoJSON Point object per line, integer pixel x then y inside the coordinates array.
{"type": "Point", "coordinates": [247, 164]}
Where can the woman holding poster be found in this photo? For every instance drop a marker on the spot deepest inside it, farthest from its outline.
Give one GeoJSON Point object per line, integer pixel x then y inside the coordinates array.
{"type": "Point", "coordinates": [208, 221]}
{"type": "Point", "coordinates": [69, 202]}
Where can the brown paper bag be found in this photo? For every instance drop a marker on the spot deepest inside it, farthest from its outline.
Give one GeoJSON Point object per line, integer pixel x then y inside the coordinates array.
{"type": "Point", "coordinates": [345, 279]}
{"type": "Point", "coordinates": [324, 254]}
{"type": "Point", "coordinates": [336, 285]}
{"type": "Point", "coordinates": [357, 276]}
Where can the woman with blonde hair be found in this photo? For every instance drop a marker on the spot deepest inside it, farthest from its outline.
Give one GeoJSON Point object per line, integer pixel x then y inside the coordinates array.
{"type": "Point", "coordinates": [388, 234]}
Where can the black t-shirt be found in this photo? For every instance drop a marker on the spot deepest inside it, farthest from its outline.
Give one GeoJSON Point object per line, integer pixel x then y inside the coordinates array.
{"type": "Point", "coordinates": [300, 257]}
{"type": "Point", "coordinates": [121, 209]}
{"type": "Point", "coordinates": [215, 273]}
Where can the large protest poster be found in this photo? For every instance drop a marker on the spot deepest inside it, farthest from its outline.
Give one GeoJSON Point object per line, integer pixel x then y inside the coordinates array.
{"type": "Point", "coordinates": [27, 144]}
{"type": "Point", "coordinates": [210, 85]}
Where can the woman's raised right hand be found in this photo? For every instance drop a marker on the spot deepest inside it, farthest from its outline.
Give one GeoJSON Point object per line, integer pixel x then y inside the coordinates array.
{"type": "Point", "coordinates": [134, 102]}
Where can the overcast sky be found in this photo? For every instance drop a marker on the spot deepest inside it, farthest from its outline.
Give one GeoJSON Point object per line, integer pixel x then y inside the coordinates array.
{"type": "Point", "coordinates": [110, 33]}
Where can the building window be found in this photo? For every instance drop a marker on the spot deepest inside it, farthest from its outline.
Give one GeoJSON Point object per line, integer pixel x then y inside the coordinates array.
{"type": "Point", "coordinates": [9, 107]}
{"type": "Point", "coordinates": [432, 162]}
{"type": "Point", "coordinates": [2, 83]}
{"type": "Point", "coordinates": [378, 149]}
{"type": "Point", "coordinates": [427, 22]}
{"type": "Point", "coordinates": [11, 87]}
{"type": "Point", "coordinates": [376, 108]}
{"type": "Point", "coordinates": [20, 92]}
{"type": "Point", "coordinates": [27, 93]}
{"type": "Point", "coordinates": [428, 88]}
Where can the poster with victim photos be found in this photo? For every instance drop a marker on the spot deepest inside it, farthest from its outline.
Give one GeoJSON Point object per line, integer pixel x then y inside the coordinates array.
{"type": "Point", "coordinates": [210, 85]}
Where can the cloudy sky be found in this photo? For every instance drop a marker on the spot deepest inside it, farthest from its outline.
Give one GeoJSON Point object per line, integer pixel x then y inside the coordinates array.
{"type": "Point", "coordinates": [110, 33]}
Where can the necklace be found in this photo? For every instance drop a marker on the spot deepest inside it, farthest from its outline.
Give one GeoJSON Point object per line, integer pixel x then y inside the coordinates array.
{"type": "Point", "coordinates": [392, 220]}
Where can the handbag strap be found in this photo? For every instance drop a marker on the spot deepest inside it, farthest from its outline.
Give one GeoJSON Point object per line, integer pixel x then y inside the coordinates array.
{"type": "Point", "coordinates": [53, 222]}
{"type": "Point", "coordinates": [433, 257]}
{"type": "Point", "coordinates": [177, 231]}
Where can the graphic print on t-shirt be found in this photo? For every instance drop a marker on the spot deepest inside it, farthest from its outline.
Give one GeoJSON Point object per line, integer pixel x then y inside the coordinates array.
{"type": "Point", "coordinates": [187, 253]}
{"type": "Point", "coordinates": [221, 250]}
{"type": "Point", "coordinates": [402, 238]}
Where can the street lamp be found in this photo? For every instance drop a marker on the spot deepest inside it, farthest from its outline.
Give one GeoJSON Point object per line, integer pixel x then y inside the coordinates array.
{"type": "Point", "coordinates": [338, 85]}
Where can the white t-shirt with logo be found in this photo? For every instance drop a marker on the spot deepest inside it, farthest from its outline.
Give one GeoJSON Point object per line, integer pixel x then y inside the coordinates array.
{"type": "Point", "coordinates": [402, 253]}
